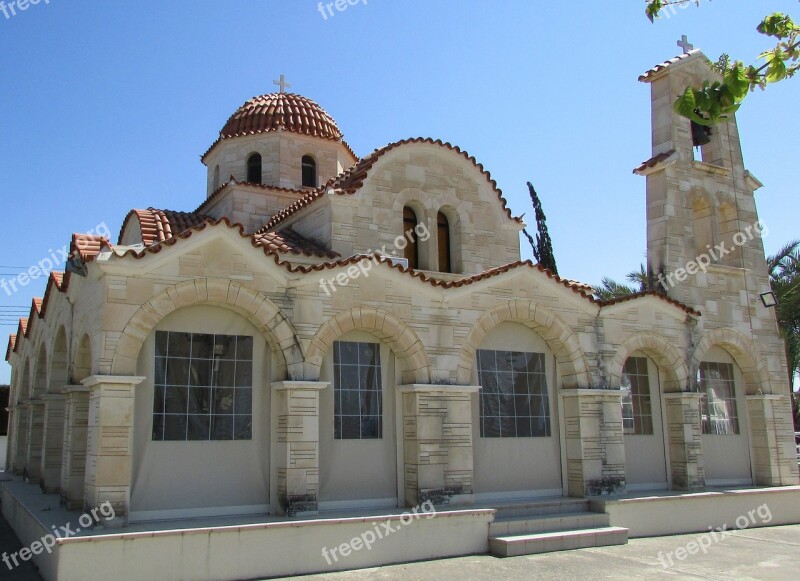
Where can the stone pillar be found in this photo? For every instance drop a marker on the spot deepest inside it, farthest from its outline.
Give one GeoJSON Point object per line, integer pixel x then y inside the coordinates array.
{"type": "Point", "coordinates": [772, 440]}
{"type": "Point", "coordinates": [73, 464]}
{"type": "Point", "coordinates": [296, 405]}
{"type": "Point", "coordinates": [35, 443]}
{"type": "Point", "coordinates": [685, 445]}
{"type": "Point", "coordinates": [594, 441]}
{"type": "Point", "coordinates": [109, 443]}
{"type": "Point", "coordinates": [53, 439]}
{"type": "Point", "coordinates": [20, 438]}
{"type": "Point", "coordinates": [437, 444]}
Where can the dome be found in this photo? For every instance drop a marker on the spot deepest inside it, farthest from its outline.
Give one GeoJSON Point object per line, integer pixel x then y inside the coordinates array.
{"type": "Point", "coordinates": [276, 111]}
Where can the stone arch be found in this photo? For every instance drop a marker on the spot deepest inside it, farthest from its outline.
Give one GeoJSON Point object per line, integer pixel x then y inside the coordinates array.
{"type": "Point", "coordinates": [658, 348]}
{"type": "Point", "coordinates": [256, 307]}
{"type": "Point", "coordinates": [82, 365]}
{"type": "Point", "coordinates": [401, 338]}
{"type": "Point", "coordinates": [558, 336]}
{"type": "Point", "coordinates": [59, 375]}
{"type": "Point", "coordinates": [39, 384]}
{"type": "Point", "coordinates": [743, 351]}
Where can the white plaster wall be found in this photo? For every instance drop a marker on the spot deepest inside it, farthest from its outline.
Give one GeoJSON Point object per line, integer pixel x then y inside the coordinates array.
{"type": "Point", "coordinates": [645, 455]}
{"type": "Point", "coordinates": [213, 477]}
{"type": "Point", "coordinates": [727, 457]}
{"type": "Point", "coordinates": [359, 472]}
{"type": "Point", "coordinates": [517, 467]}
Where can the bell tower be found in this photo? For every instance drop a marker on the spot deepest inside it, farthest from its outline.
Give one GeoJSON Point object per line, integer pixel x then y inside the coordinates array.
{"type": "Point", "coordinates": [704, 237]}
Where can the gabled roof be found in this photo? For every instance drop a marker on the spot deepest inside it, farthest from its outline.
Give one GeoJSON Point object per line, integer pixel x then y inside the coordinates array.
{"type": "Point", "coordinates": [159, 225]}
{"type": "Point", "coordinates": [288, 240]}
{"type": "Point", "coordinates": [654, 294]}
{"type": "Point", "coordinates": [87, 246]}
{"type": "Point", "coordinates": [352, 179]}
{"type": "Point", "coordinates": [12, 343]}
{"type": "Point", "coordinates": [654, 162]}
{"type": "Point", "coordinates": [649, 75]}
{"type": "Point", "coordinates": [233, 182]}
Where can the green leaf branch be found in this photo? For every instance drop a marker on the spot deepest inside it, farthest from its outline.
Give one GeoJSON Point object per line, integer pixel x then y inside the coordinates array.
{"type": "Point", "coordinates": [708, 104]}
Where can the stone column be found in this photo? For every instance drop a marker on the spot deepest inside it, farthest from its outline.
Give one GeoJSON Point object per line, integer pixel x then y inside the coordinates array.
{"type": "Point", "coordinates": [73, 464]}
{"type": "Point", "coordinates": [35, 443]}
{"type": "Point", "coordinates": [53, 439]}
{"type": "Point", "coordinates": [20, 437]}
{"type": "Point", "coordinates": [594, 441]}
{"type": "Point", "coordinates": [109, 443]}
{"type": "Point", "coordinates": [772, 440]}
{"type": "Point", "coordinates": [296, 405]}
{"type": "Point", "coordinates": [437, 444]}
{"type": "Point", "coordinates": [685, 445]}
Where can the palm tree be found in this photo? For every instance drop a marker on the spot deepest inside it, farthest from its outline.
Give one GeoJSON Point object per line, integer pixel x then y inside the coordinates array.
{"type": "Point", "coordinates": [611, 289]}
{"type": "Point", "coordinates": [784, 278]}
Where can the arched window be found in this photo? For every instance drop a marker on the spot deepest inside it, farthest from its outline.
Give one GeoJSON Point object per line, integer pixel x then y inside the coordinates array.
{"type": "Point", "coordinates": [443, 237]}
{"type": "Point", "coordinates": [254, 168]}
{"type": "Point", "coordinates": [412, 248]}
{"type": "Point", "coordinates": [216, 178]}
{"type": "Point", "coordinates": [309, 172]}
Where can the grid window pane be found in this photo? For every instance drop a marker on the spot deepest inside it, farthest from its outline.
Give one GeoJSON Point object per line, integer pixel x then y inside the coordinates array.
{"type": "Point", "coordinates": [637, 414]}
{"type": "Point", "coordinates": [358, 392]}
{"type": "Point", "coordinates": [514, 402]}
{"type": "Point", "coordinates": [200, 381]}
{"type": "Point", "coordinates": [718, 412]}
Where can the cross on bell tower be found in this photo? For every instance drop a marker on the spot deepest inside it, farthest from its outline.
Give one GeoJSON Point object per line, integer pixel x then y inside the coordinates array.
{"type": "Point", "coordinates": [283, 84]}
{"type": "Point", "coordinates": [683, 43]}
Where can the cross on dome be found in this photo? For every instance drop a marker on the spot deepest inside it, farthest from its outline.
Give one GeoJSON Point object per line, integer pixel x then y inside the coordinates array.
{"type": "Point", "coordinates": [283, 84]}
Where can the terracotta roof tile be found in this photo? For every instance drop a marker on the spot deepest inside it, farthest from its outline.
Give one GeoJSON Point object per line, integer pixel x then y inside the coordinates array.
{"type": "Point", "coordinates": [581, 289]}
{"type": "Point", "coordinates": [654, 161]}
{"type": "Point", "coordinates": [87, 246]}
{"type": "Point", "coordinates": [12, 343]}
{"type": "Point", "coordinates": [648, 76]}
{"type": "Point", "coordinates": [280, 112]}
{"type": "Point", "coordinates": [159, 225]}
{"type": "Point", "coordinates": [655, 294]}
{"type": "Point", "coordinates": [290, 241]}
{"type": "Point", "coordinates": [232, 182]}
{"type": "Point", "coordinates": [352, 179]}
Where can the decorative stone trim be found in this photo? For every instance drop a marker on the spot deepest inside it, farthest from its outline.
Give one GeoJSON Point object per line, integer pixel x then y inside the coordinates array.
{"type": "Point", "coordinates": [437, 443]}
{"type": "Point", "coordinates": [296, 405]}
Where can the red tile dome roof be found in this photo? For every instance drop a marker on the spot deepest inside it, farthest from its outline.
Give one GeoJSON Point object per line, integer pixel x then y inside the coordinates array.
{"type": "Point", "coordinates": [276, 111]}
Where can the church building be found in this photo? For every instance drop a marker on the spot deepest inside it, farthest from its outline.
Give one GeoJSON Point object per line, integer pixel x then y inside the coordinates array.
{"type": "Point", "coordinates": [328, 334]}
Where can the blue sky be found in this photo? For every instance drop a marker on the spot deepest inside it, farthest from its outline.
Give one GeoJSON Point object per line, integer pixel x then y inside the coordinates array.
{"type": "Point", "coordinates": [107, 106]}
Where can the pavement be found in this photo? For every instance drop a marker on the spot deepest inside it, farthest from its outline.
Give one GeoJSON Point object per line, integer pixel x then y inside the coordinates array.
{"type": "Point", "coordinates": [770, 553]}
{"type": "Point", "coordinates": [9, 543]}
{"type": "Point", "coordinates": [763, 554]}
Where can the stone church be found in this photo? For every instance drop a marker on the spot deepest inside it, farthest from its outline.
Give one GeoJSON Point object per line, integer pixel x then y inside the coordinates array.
{"type": "Point", "coordinates": [326, 332]}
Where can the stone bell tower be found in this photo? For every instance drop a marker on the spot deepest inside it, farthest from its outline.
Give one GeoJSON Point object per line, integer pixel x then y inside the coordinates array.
{"type": "Point", "coordinates": [704, 238]}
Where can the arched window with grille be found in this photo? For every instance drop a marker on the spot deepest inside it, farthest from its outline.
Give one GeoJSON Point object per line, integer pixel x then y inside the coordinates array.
{"type": "Point", "coordinates": [309, 172]}
{"type": "Point", "coordinates": [412, 248]}
{"type": "Point", "coordinates": [443, 239]}
{"type": "Point", "coordinates": [254, 168]}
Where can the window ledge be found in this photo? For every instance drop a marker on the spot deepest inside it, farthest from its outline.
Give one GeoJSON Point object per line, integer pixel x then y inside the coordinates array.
{"type": "Point", "coordinates": [712, 168]}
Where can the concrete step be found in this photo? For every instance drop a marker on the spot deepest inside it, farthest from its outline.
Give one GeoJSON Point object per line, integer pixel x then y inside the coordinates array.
{"type": "Point", "coordinates": [540, 507]}
{"type": "Point", "coordinates": [532, 544]}
{"type": "Point", "coordinates": [569, 521]}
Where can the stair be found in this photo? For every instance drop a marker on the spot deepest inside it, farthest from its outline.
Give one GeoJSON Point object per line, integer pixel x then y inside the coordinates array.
{"type": "Point", "coordinates": [556, 525]}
